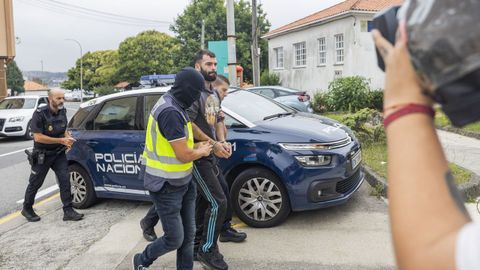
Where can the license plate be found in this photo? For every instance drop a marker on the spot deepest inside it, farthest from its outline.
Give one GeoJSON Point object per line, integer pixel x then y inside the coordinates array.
{"type": "Point", "coordinates": [356, 159]}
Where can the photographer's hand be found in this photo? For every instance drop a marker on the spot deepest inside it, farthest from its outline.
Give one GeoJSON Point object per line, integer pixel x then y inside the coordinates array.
{"type": "Point", "coordinates": [402, 85]}
{"type": "Point", "coordinates": [424, 217]}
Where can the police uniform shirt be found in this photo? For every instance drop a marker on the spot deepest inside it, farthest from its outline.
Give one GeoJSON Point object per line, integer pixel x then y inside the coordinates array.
{"type": "Point", "coordinates": [171, 124]}
{"type": "Point", "coordinates": [50, 124]}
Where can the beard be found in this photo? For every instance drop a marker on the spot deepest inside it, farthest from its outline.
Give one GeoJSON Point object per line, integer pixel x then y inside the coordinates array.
{"type": "Point", "coordinates": [209, 76]}
{"type": "Point", "coordinates": [58, 106]}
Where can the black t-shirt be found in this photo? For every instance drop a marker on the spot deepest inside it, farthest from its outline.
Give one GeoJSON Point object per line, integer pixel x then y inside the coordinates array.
{"type": "Point", "coordinates": [205, 112]}
{"type": "Point", "coordinates": [44, 121]}
{"type": "Point", "coordinates": [172, 124]}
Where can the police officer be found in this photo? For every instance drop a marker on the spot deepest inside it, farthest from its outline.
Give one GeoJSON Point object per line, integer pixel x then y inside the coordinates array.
{"type": "Point", "coordinates": [169, 152]}
{"type": "Point", "coordinates": [51, 139]}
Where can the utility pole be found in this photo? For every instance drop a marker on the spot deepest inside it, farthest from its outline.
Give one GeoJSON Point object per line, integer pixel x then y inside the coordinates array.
{"type": "Point", "coordinates": [203, 35]}
{"type": "Point", "coordinates": [81, 66]}
{"type": "Point", "coordinates": [232, 51]}
{"type": "Point", "coordinates": [7, 42]}
{"type": "Point", "coordinates": [254, 48]}
{"type": "Point", "coordinates": [41, 62]}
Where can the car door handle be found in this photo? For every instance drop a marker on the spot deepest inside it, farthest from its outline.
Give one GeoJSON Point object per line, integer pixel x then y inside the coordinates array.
{"type": "Point", "coordinates": [91, 143]}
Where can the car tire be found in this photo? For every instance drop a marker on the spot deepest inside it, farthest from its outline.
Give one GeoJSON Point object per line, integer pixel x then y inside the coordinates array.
{"type": "Point", "coordinates": [28, 132]}
{"type": "Point", "coordinates": [270, 206]}
{"type": "Point", "coordinates": [83, 193]}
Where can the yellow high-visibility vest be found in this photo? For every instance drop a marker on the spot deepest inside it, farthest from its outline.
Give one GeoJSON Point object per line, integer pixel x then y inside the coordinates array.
{"type": "Point", "coordinates": [158, 155]}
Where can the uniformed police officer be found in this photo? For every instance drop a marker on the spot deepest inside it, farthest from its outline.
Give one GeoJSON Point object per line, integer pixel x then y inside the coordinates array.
{"type": "Point", "coordinates": [51, 139]}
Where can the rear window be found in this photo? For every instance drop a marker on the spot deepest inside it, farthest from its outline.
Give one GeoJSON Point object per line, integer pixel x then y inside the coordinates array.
{"type": "Point", "coordinates": [18, 103]}
{"type": "Point", "coordinates": [80, 116]}
{"type": "Point", "coordinates": [117, 114]}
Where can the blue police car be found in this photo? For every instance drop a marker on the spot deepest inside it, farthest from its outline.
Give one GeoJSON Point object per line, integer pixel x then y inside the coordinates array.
{"type": "Point", "coordinates": [282, 160]}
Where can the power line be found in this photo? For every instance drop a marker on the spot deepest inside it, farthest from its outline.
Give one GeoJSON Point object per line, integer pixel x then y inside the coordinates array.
{"type": "Point", "coordinates": [104, 13]}
{"type": "Point", "coordinates": [77, 13]}
{"type": "Point", "coordinates": [89, 15]}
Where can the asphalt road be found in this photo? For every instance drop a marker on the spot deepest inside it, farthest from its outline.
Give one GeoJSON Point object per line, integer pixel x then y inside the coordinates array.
{"type": "Point", "coordinates": [351, 236]}
{"type": "Point", "coordinates": [15, 171]}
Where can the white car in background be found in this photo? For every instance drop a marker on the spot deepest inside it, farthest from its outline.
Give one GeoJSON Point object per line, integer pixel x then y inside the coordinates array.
{"type": "Point", "coordinates": [16, 115]}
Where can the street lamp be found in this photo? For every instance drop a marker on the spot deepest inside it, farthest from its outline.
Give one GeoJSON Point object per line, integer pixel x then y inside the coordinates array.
{"type": "Point", "coordinates": [81, 67]}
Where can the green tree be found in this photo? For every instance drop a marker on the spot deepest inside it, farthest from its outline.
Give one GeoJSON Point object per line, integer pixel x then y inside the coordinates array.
{"type": "Point", "coordinates": [15, 80]}
{"type": "Point", "coordinates": [104, 90]}
{"type": "Point", "coordinates": [99, 68]}
{"type": "Point", "coordinates": [187, 29]}
{"type": "Point", "coordinates": [147, 53]}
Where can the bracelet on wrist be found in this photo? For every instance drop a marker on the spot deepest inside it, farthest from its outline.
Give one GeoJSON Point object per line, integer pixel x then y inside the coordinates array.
{"type": "Point", "coordinates": [409, 109]}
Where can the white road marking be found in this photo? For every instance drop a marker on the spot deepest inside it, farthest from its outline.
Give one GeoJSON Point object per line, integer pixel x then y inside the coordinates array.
{"type": "Point", "coordinates": [14, 152]}
{"type": "Point", "coordinates": [42, 193]}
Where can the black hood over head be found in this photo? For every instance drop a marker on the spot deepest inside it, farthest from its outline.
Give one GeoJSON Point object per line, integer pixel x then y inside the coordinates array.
{"type": "Point", "coordinates": [187, 87]}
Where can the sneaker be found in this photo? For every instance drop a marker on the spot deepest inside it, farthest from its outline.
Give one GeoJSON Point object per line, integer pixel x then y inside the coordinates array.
{"type": "Point", "coordinates": [232, 235]}
{"type": "Point", "coordinates": [30, 215]}
{"type": "Point", "coordinates": [148, 232]}
{"type": "Point", "coordinates": [212, 260]}
{"type": "Point", "coordinates": [70, 214]}
{"type": "Point", "coordinates": [137, 262]}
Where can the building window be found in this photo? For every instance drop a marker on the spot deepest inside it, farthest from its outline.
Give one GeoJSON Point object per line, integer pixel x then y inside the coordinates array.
{"type": "Point", "coordinates": [339, 49]}
{"type": "Point", "coordinates": [300, 51]}
{"type": "Point", "coordinates": [322, 51]}
{"type": "Point", "coordinates": [278, 57]}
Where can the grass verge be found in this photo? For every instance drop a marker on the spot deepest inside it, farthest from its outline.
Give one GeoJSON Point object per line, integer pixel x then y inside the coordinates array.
{"type": "Point", "coordinates": [375, 157]}
{"type": "Point", "coordinates": [442, 120]}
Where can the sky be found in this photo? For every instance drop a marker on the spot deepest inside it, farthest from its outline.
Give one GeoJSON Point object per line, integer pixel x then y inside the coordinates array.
{"type": "Point", "coordinates": [42, 26]}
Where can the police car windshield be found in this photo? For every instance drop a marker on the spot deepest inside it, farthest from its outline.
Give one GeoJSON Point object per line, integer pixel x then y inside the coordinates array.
{"type": "Point", "coordinates": [18, 103]}
{"type": "Point", "coordinates": [253, 107]}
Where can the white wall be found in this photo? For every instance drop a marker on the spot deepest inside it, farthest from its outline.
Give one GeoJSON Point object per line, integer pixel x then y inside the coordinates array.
{"type": "Point", "coordinates": [360, 58]}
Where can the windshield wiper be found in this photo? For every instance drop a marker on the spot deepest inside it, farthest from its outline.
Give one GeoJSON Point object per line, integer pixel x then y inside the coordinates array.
{"type": "Point", "coordinates": [277, 115]}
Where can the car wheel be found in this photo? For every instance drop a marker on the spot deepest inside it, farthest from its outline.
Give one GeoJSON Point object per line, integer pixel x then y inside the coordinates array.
{"type": "Point", "coordinates": [28, 132]}
{"type": "Point", "coordinates": [259, 198]}
{"type": "Point", "coordinates": [83, 192]}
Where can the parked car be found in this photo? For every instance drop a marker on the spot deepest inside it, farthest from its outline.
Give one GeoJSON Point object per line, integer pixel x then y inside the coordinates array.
{"type": "Point", "coordinates": [75, 95]}
{"type": "Point", "coordinates": [16, 115]}
{"type": "Point", "coordinates": [283, 160]}
{"type": "Point", "coordinates": [296, 99]}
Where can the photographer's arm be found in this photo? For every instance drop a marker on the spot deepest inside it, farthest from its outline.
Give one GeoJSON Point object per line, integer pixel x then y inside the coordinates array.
{"type": "Point", "coordinates": [424, 217]}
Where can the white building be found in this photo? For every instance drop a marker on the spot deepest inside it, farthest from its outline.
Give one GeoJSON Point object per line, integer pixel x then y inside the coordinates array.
{"type": "Point", "coordinates": [309, 53]}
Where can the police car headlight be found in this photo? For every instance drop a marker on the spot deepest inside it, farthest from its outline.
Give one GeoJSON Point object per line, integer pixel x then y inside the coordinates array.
{"type": "Point", "coordinates": [314, 161]}
{"type": "Point", "coordinates": [16, 119]}
{"type": "Point", "coordinates": [303, 146]}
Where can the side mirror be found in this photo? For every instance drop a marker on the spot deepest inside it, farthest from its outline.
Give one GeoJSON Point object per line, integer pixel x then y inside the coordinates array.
{"type": "Point", "coordinates": [42, 105]}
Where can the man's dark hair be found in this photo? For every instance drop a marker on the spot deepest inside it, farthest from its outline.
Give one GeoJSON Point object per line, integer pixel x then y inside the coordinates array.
{"type": "Point", "coordinates": [221, 78]}
{"type": "Point", "coordinates": [199, 55]}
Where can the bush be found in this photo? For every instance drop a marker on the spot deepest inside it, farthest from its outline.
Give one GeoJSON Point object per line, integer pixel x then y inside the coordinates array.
{"type": "Point", "coordinates": [375, 100]}
{"type": "Point", "coordinates": [367, 125]}
{"type": "Point", "coordinates": [104, 90]}
{"type": "Point", "coordinates": [319, 102]}
{"type": "Point", "coordinates": [268, 78]}
{"type": "Point", "coordinates": [348, 94]}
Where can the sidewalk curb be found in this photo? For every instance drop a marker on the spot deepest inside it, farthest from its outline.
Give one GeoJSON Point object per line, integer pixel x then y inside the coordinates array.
{"type": "Point", "coordinates": [471, 189]}
{"type": "Point", "coordinates": [375, 180]}
{"type": "Point", "coordinates": [459, 131]}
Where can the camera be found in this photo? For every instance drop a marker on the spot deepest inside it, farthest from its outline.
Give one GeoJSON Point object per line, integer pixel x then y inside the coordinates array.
{"type": "Point", "coordinates": [444, 48]}
{"type": "Point", "coordinates": [386, 22]}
